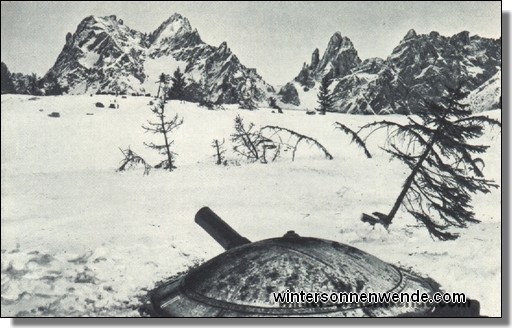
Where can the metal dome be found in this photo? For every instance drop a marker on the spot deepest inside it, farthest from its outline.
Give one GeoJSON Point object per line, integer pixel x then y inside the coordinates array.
{"type": "Point", "coordinates": [240, 281]}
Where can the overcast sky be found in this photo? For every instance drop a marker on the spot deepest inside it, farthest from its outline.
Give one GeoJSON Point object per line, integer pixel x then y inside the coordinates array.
{"type": "Point", "coordinates": [276, 38]}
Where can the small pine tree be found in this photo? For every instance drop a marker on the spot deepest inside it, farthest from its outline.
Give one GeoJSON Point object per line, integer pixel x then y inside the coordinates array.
{"type": "Point", "coordinates": [162, 79]}
{"type": "Point", "coordinates": [247, 103]}
{"type": "Point", "coordinates": [443, 169]}
{"type": "Point", "coordinates": [195, 92]}
{"type": "Point", "coordinates": [272, 102]}
{"type": "Point", "coordinates": [247, 140]}
{"type": "Point", "coordinates": [177, 90]}
{"type": "Point", "coordinates": [219, 151]}
{"type": "Point", "coordinates": [325, 97]}
{"type": "Point", "coordinates": [132, 159]}
{"type": "Point", "coordinates": [33, 85]}
{"type": "Point", "coordinates": [163, 127]}
{"type": "Point", "coordinates": [248, 94]}
{"type": "Point", "coordinates": [255, 145]}
{"type": "Point", "coordinates": [51, 85]}
{"type": "Point", "coordinates": [7, 84]}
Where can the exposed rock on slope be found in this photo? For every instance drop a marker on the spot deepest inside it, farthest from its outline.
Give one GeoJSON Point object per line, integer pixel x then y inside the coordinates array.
{"type": "Point", "coordinates": [487, 96]}
{"type": "Point", "coordinates": [420, 67]}
{"type": "Point", "coordinates": [104, 55]}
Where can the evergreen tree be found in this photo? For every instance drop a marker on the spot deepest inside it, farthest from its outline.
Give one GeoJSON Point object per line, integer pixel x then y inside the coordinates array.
{"type": "Point", "coordinates": [162, 79]}
{"type": "Point", "coordinates": [163, 127]}
{"type": "Point", "coordinates": [177, 90]}
{"type": "Point", "coordinates": [195, 92]}
{"type": "Point", "coordinates": [444, 171]}
{"type": "Point", "coordinates": [229, 94]}
{"type": "Point", "coordinates": [51, 85]}
{"type": "Point", "coordinates": [325, 98]}
{"type": "Point", "coordinates": [272, 102]}
{"type": "Point", "coordinates": [247, 95]}
{"type": "Point", "coordinates": [21, 84]}
{"type": "Point", "coordinates": [7, 84]}
{"type": "Point", "coordinates": [247, 103]}
{"type": "Point", "coordinates": [33, 85]}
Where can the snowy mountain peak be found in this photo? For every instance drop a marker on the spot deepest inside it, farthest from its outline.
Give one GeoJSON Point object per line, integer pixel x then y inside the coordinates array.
{"type": "Point", "coordinates": [99, 42]}
{"type": "Point", "coordinates": [336, 37]}
{"type": "Point", "coordinates": [175, 32]}
{"type": "Point", "coordinates": [223, 49]}
{"type": "Point", "coordinates": [315, 58]}
{"type": "Point", "coordinates": [109, 25]}
{"type": "Point", "coordinates": [410, 34]}
{"type": "Point", "coordinates": [100, 22]}
{"type": "Point", "coordinates": [110, 18]}
{"type": "Point", "coordinates": [420, 67]}
{"type": "Point", "coordinates": [176, 24]}
{"type": "Point", "coordinates": [434, 34]}
{"type": "Point", "coordinates": [105, 55]}
{"type": "Point", "coordinates": [337, 61]}
{"type": "Point", "coordinates": [224, 45]}
{"type": "Point", "coordinates": [339, 42]}
{"type": "Point", "coordinates": [461, 38]}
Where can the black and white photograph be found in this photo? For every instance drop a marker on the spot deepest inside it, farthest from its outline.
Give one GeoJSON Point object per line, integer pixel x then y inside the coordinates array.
{"type": "Point", "coordinates": [252, 159]}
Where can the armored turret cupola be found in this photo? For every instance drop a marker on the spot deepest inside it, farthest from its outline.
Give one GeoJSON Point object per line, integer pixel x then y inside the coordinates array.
{"type": "Point", "coordinates": [244, 280]}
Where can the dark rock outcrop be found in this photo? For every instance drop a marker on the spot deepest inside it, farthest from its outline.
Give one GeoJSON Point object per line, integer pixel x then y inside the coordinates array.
{"type": "Point", "coordinates": [289, 94]}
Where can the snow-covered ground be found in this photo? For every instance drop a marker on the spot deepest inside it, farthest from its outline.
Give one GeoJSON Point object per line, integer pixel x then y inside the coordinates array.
{"type": "Point", "coordinates": [80, 239]}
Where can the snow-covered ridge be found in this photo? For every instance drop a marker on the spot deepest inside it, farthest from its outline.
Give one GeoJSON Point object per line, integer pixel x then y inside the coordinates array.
{"type": "Point", "coordinates": [104, 55]}
{"type": "Point", "coordinates": [421, 67]}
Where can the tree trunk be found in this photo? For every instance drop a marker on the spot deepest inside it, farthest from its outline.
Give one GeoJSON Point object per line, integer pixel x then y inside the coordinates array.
{"type": "Point", "coordinates": [167, 147]}
{"type": "Point", "coordinates": [322, 109]}
{"type": "Point", "coordinates": [410, 178]}
{"type": "Point", "coordinates": [218, 152]}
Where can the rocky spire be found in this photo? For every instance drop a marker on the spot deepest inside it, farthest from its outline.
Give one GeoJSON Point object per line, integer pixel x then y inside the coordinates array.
{"type": "Point", "coordinates": [315, 58]}
{"type": "Point", "coordinates": [339, 57]}
{"type": "Point", "coordinates": [410, 34]}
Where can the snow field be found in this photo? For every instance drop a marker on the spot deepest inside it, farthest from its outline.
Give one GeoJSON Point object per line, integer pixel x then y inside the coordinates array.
{"type": "Point", "coordinates": [80, 239]}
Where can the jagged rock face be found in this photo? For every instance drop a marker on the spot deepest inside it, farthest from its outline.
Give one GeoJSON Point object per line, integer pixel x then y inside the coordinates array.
{"type": "Point", "coordinates": [104, 55]}
{"type": "Point", "coordinates": [339, 57]}
{"type": "Point", "coordinates": [425, 65]}
{"type": "Point", "coordinates": [420, 68]}
{"type": "Point", "coordinates": [315, 58]}
{"type": "Point", "coordinates": [338, 60]}
{"type": "Point", "coordinates": [175, 33]}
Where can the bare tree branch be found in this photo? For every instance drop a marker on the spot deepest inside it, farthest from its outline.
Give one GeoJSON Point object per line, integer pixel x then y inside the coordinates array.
{"type": "Point", "coordinates": [355, 138]}
{"type": "Point", "coordinates": [300, 137]}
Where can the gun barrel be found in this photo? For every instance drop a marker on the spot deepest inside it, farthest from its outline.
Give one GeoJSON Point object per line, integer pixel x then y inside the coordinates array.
{"type": "Point", "coordinates": [226, 236]}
